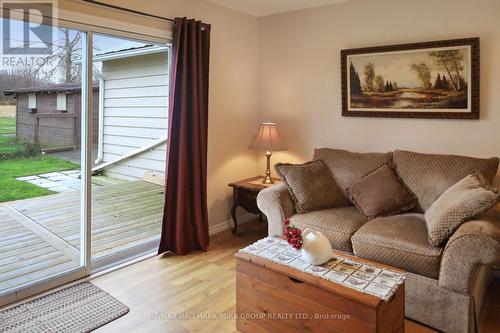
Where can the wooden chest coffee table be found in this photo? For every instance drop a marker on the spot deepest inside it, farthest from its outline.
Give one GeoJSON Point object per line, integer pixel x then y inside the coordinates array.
{"type": "Point", "coordinates": [271, 297]}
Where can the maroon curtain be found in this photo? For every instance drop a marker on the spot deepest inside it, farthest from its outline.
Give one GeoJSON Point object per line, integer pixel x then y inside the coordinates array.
{"type": "Point", "coordinates": [185, 217]}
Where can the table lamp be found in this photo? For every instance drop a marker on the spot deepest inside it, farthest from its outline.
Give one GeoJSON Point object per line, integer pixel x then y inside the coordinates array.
{"type": "Point", "coordinates": [268, 139]}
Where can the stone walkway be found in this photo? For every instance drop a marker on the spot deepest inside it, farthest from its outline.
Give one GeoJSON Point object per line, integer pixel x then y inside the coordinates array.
{"type": "Point", "coordinates": [63, 181]}
{"type": "Point", "coordinates": [67, 181]}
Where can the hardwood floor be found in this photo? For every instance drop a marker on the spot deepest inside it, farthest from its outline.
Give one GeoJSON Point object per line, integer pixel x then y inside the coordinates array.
{"type": "Point", "coordinates": [204, 283]}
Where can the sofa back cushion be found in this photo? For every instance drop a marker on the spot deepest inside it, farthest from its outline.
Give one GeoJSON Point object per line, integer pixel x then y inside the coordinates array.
{"type": "Point", "coordinates": [430, 175]}
{"type": "Point", "coordinates": [463, 201]}
{"type": "Point", "coordinates": [348, 167]}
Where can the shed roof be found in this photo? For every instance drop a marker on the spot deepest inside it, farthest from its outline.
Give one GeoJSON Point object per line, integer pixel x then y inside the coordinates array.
{"type": "Point", "coordinates": [75, 87]}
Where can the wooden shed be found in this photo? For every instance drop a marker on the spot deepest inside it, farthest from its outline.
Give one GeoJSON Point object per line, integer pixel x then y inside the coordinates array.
{"type": "Point", "coordinates": [50, 115]}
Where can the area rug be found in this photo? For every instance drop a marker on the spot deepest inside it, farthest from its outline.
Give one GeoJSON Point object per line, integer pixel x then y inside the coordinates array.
{"type": "Point", "coordinates": [79, 308]}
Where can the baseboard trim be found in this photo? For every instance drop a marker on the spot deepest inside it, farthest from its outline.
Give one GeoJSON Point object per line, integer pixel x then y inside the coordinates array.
{"type": "Point", "coordinates": [219, 227]}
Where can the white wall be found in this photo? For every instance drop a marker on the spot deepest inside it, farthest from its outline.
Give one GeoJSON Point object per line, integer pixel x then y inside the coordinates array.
{"type": "Point", "coordinates": [135, 113]}
{"type": "Point", "coordinates": [299, 75]}
{"type": "Point", "coordinates": [233, 115]}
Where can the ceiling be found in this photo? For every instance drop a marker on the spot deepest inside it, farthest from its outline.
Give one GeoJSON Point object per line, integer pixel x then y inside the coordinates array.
{"type": "Point", "coordinates": [267, 7]}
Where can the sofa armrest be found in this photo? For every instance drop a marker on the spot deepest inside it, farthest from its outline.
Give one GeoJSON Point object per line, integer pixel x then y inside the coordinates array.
{"type": "Point", "coordinates": [474, 243]}
{"type": "Point", "coordinates": [275, 202]}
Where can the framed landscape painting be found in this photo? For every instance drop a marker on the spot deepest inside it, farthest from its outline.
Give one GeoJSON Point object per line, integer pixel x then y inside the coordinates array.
{"type": "Point", "coordinates": [437, 79]}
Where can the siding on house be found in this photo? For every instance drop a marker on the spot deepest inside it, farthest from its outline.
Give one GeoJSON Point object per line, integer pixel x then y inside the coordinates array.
{"type": "Point", "coordinates": [135, 113]}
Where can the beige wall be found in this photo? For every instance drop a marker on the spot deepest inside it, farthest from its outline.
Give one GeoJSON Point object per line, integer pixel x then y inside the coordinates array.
{"type": "Point", "coordinates": [290, 64]}
{"type": "Point", "coordinates": [299, 75]}
{"type": "Point", "coordinates": [233, 112]}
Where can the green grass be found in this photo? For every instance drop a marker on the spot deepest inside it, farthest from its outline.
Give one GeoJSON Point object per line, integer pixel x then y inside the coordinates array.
{"type": "Point", "coordinates": [12, 189]}
{"type": "Point", "coordinates": [10, 147]}
{"type": "Point", "coordinates": [7, 125]}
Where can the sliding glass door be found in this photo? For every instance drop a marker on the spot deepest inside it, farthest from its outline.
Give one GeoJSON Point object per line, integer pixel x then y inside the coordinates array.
{"type": "Point", "coordinates": [130, 123]}
{"type": "Point", "coordinates": [83, 131]}
{"type": "Point", "coordinates": [44, 211]}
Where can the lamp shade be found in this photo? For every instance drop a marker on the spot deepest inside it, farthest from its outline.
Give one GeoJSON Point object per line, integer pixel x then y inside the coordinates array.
{"type": "Point", "coordinates": [268, 138]}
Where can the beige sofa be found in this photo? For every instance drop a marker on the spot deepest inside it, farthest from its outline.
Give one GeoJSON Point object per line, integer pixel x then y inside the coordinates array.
{"type": "Point", "coordinates": [446, 285]}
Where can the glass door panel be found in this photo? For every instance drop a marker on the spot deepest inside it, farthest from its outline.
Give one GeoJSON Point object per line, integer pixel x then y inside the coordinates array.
{"type": "Point", "coordinates": [40, 166]}
{"type": "Point", "coordinates": [130, 133]}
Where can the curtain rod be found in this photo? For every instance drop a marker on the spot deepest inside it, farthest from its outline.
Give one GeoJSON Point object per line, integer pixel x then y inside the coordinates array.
{"type": "Point", "coordinates": [95, 2]}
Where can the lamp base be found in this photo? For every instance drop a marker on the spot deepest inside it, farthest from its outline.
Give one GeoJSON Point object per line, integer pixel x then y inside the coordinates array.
{"type": "Point", "coordinates": [268, 179]}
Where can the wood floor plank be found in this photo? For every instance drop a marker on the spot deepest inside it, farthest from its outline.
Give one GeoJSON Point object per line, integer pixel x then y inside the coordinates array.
{"type": "Point", "coordinates": [173, 284]}
{"type": "Point", "coordinates": [204, 282]}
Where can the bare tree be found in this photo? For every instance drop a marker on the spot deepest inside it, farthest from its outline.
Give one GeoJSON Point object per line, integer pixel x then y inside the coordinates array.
{"type": "Point", "coordinates": [451, 60]}
{"type": "Point", "coordinates": [62, 60]}
{"type": "Point", "coordinates": [369, 72]}
{"type": "Point", "coordinates": [423, 74]}
{"type": "Point", "coordinates": [20, 77]}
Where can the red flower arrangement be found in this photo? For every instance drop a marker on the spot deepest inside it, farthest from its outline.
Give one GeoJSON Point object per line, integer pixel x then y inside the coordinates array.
{"type": "Point", "coordinates": [292, 234]}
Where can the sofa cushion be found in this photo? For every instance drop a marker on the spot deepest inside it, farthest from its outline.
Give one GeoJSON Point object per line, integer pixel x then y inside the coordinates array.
{"type": "Point", "coordinates": [311, 186]}
{"type": "Point", "coordinates": [348, 167]}
{"type": "Point", "coordinates": [429, 175]}
{"type": "Point", "coordinates": [466, 199]}
{"type": "Point", "coordinates": [338, 224]}
{"type": "Point", "coordinates": [399, 241]}
{"type": "Point", "coordinates": [381, 193]}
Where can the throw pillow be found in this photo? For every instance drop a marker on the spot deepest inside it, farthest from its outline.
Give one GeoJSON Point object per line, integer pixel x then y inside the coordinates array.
{"type": "Point", "coordinates": [311, 186]}
{"type": "Point", "coordinates": [381, 193]}
{"type": "Point", "coordinates": [461, 202]}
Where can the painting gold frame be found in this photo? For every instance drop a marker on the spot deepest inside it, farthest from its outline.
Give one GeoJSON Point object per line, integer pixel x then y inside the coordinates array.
{"type": "Point", "coordinates": [404, 80]}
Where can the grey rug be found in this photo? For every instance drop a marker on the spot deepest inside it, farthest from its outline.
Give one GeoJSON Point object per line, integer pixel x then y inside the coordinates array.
{"type": "Point", "coordinates": [79, 308]}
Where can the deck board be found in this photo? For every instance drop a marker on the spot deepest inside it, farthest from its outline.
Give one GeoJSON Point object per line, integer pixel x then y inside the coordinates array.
{"type": "Point", "coordinates": [118, 212]}
{"type": "Point", "coordinates": [25, 256]}
{"type": "Point", "coordinates": [123, 215]}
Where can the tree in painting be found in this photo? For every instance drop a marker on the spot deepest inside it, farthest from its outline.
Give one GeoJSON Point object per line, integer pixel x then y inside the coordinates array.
{"type": "Point", "coordinates": [410, 80]}
{"type": "Point", "coordinates": [424, 74]}
{"type": "Point", "coordinates": [369, 73]}
{"type": "Point", "coordinates": [438, 84]}
{"type": "Point", "coordinates": [379, 83]}
{"type": "Point", "coordinates": [355, 82]}
{"type": "Point", "coordinates": [451, 61]}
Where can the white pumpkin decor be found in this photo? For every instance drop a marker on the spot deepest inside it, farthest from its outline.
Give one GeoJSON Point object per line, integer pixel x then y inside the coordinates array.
{"type": "Point", "coordinates": [316, 248]}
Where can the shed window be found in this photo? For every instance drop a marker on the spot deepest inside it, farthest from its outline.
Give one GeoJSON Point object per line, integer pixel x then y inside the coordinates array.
{"type": "Point", "coordinates": [61, 101]}
{"type": "Point", "coordinates": [32, 101]}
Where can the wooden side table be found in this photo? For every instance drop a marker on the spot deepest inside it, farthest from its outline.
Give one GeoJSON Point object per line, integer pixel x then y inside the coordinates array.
{"type": "Point", "coordinates": [245, 195]}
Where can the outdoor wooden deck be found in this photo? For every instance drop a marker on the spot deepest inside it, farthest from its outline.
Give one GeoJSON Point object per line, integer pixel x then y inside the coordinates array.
{"type": "Point", "coordinates": [40, 237]}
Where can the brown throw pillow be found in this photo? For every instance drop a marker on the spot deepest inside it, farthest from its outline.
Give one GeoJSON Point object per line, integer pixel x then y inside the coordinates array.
{"type": "Point", "coordinates": [381, 193]}
{"type": "Point", "coordinates": [461, 202]}
{"type": "Point", "coordinates": [311, 186]}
